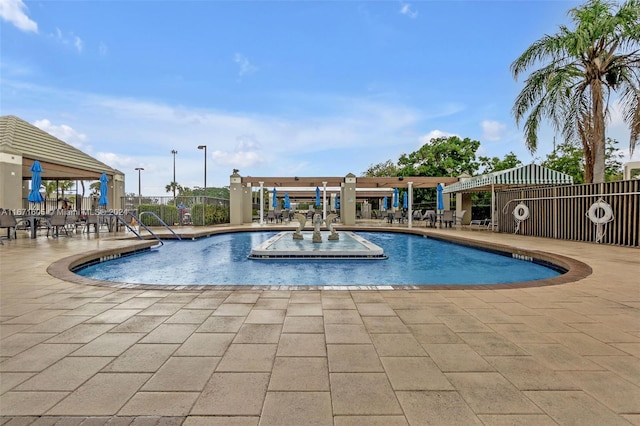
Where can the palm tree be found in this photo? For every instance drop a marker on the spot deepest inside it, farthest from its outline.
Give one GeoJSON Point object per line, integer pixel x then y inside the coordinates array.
{"type": "Point", "coordinates": [580, 69]}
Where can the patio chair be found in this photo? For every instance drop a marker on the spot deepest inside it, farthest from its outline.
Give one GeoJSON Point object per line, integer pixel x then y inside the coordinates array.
{"type": "Point", "coordinates": [398, 216]}
{"type": "Point", "coordinates": [459, 217]}
{"type": "Point", "coordinates": [56, 222]}
{"type": "Point", "coordinates": [448, 218]}
{"type": "Point", "coordinates": [8, 221]}
{"type": "Point", "coordinates": [430, 218]}
{"type": "Point", "coordinates": [271, 216]}
{"type": "Point", "coordinates": [92, 219]}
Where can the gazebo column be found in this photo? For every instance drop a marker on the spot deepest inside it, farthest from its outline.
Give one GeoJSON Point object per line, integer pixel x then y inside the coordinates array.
{"type": "Point", "coordinates": [11, 179]}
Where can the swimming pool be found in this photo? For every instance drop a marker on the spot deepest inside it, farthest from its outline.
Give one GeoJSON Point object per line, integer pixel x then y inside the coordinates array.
{"type": "Point", "coordinates": [222, 260]}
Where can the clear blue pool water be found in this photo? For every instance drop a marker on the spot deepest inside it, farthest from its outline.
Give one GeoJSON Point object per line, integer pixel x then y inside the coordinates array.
{"type": "Point", "coordinates": [222, 259]}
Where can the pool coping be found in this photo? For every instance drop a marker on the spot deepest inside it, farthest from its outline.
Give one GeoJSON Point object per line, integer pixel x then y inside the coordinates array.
{"type": "Point", "coordinates": [575, 270]}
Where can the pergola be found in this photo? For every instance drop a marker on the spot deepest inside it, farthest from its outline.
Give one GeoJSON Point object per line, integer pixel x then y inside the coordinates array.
{"type": "Point", "coordinates": [303, 188]}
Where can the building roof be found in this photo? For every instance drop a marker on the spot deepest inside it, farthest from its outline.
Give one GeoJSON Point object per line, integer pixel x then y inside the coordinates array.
{"type": "Point", "coordinates": [59, 160]}
{"type": "Point", "coordinates": [523, 176]}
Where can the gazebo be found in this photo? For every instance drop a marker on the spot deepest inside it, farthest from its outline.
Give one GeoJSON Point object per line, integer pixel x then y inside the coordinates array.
{"type": "Point", "coordinates": [22, 143]}
{"type": "Point", "coordinates": [526, 176]}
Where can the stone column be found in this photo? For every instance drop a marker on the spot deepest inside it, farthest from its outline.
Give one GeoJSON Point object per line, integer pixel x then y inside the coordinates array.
{"type": "Point", "coordinates": [348, 200]}
{"type": "Point", "coordinates": [410, 206]}
{"type": "Point", "coordinates": [247, 204]}
{"type": "Point", "coordinates": [236, 200]}
{"type": "Point", "coordinates": [324, 200]}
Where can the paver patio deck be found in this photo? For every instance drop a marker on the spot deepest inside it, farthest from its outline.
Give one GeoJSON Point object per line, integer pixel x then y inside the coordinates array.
{"type": "Point", "coordinates": [74, 354]}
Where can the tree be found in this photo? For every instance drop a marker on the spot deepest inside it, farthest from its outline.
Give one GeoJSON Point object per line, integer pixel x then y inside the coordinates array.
{"type": "Point", "coordinates": [580, 70]}
{"type": "Point", "coordinates": [567, 158]}
{"type": "Point", "coordinates": [443, 156]}
{"type": "Point", "coordinates": [495, 164]}
{"type": "Point", "coordinates": [174, 187]}
{"type": "Point", "coordinates": [386, 169]}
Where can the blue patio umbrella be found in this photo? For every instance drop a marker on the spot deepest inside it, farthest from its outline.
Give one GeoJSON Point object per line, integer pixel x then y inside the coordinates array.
{"type": "Point", "coordinates": [275, 198]}
{"type": "Point", "coordinates": [103, 201]}
{"type": "Point", "coordinates": [405, 200]}
{"type": "Point", "coordinates": [440, 200]}
{"type": "Point", "coordinates": [287, 202]}
{"type": "Point", "coordinates": [36, 182]}
{"type": "Point", "coordinates": [395, 197]}
{"type": "Point", "coordinates": [317, 197]}
{"type": "Point", "coordinates": [384, 203]}
{"type": "Point", "coordinates": [336, 202]}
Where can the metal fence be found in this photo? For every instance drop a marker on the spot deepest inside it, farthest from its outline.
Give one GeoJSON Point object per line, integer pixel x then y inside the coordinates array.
{"type": "Point", "coordinates": [184, 210]}
{"type": "Point", "coordinates": [569, 212]}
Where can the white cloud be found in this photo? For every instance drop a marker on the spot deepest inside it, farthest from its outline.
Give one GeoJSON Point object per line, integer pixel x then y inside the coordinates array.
{"type": "Point", "coordinates": [239, 159]}
{"type": "Point", "coordinates": [434, 134]}
{"type": "Point", "coordinates": [64, 133]}
{"type": "Point", "coordinates": [14, 11]}
{"type": "Point", "coordinates": [405, 9]}
{"type": "Point", "coordinates": [68, 39]}
{"type": "Point", "coordinates": [77, 42]}
{"type": "Point", "coordinates": [246, 67]}
{"type": "Point", "coordinates": [493, 130]}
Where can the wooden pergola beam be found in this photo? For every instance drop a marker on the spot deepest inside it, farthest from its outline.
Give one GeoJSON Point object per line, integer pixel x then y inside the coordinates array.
{"type": "Point", "coordinates": [361, 182]}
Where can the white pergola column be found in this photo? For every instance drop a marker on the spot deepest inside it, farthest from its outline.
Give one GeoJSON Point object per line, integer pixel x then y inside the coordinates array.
{"type": "Point", "coordinates": [324, 200]}
{"type": "Point", "coordinates": [410, 204]}
{"type": "Point", "coordinates": [261, 202]}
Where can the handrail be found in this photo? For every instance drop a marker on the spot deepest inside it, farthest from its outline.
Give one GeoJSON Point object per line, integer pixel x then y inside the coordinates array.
{"type": "Point", "coordinates": [130, 228]}
{"type": "Point", "coordinates": [159, 220]}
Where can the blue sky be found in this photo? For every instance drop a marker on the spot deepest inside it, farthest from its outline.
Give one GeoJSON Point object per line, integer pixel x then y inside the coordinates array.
{"type": "Point", "coordinates": [273, 88]}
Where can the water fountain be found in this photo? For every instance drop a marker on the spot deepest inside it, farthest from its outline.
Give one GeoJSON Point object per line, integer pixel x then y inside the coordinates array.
{"type": "Point", "coordinates": [351, 246]}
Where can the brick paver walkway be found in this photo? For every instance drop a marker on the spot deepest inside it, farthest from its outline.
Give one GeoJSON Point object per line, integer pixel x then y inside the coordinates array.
{"type": "Point", "coordinates": [73, 354]}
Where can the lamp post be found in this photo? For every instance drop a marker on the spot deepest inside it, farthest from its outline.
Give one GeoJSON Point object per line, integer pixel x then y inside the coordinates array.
{"type": "Point", "coordinates": [139, 169]}
{"type": "Point", "coordinates": [174, 152]}
{"type": "Point", "coordinates": [205, 181]}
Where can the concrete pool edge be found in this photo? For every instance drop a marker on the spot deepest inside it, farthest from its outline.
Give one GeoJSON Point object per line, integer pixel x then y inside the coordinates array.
{"type": "Point", "coordinates": [575, 270]}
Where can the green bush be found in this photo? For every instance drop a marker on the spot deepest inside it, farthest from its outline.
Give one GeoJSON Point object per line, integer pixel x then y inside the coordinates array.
{"type": "Point", "coordinates": [169, 214]}
{"type": "Point", "coordinates": [213, 214]}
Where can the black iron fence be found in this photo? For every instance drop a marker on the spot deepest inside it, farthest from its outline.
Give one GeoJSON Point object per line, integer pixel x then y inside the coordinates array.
{"type": "Point", "coordinates": [608, 213]}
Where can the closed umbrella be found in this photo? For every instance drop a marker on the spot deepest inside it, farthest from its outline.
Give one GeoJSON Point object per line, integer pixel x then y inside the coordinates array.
{"type": "Point", "coordinates": [275, 198]}
{"type": "Point", "coordinates": [395, 197]}
{"type": "Point", "coordinates": [103, 201]}
{"type": "Point", "coordinates": [405, 201]}
{"type": "Point", "coordinates": [317, 197]}
{"type": "Point", "coordinates": [384, 203]}
{"type": "Point", "coordinates": [440, 200]}
{"type": "Point", "coordinates": [287, 202]}
{"type": "Point", "coordinates": [36, 182]}
{"type": "Point", "coordinates": [336, 202]}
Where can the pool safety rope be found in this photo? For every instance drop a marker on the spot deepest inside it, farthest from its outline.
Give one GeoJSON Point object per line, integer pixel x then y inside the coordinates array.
{"type": "Point", "coordinates": [600, 213]}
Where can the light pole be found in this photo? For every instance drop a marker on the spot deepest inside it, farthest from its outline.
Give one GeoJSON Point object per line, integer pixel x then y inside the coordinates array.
{"type": "Point", "coordinates": [139, 169]}
{"type": "Point", "coordinates": [174, 152]}
{"type": "Point", "coordinates": [205, 180]}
